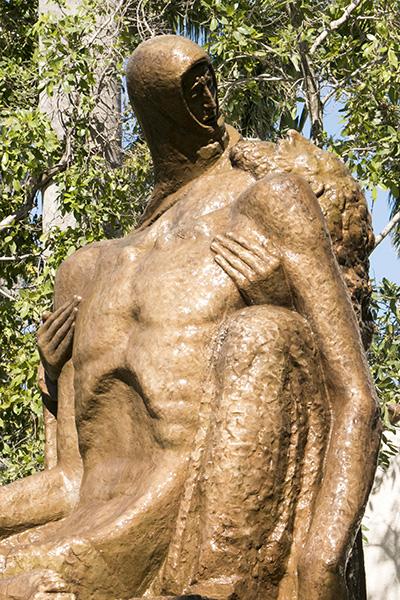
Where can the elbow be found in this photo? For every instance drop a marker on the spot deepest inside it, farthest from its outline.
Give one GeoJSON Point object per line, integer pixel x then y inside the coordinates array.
{"type": "Point", "coordinates": [358, 424]}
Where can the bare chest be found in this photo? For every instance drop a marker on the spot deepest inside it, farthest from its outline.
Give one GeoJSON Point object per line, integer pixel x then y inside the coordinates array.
{"type": "Point", "coordinates": [171, 283]}
{"type": "Point", "coordinates": [164, 279]}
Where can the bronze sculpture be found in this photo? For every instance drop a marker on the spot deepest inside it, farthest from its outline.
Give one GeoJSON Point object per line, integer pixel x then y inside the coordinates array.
{"type": "Point", "coordinates": [226, 424]}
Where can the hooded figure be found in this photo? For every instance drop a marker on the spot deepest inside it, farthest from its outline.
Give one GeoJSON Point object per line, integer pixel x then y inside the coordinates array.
{"type": "Point", "coordinates": [173, 90]}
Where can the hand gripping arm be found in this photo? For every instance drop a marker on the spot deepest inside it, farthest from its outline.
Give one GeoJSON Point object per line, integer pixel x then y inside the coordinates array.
{"type": "Point", "coordinates": [55, 338]}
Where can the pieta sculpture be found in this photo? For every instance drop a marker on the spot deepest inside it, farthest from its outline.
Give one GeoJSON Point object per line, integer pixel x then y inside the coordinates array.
{"type": "Point", "coordinates": [217, 426]}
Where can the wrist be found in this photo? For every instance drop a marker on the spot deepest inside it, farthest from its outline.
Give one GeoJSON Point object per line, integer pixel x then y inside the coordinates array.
{"type": "Point", "coordinates": [52, 387]}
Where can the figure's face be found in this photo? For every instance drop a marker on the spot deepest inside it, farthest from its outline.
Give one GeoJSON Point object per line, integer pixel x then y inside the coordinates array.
{"type": "Point", "coordinates": [200, 93]}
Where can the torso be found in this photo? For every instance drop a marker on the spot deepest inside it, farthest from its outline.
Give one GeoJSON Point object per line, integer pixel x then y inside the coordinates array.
{"type": "Point", "coordinates": [145, 330]}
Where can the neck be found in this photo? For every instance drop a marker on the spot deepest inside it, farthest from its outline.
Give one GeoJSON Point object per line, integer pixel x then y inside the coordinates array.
{"type": "Point", "coordinates": [173, 171]}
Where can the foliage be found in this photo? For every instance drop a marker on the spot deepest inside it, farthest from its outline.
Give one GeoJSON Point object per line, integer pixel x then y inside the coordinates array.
{"type": "Point", "coordinates": [102, 198]}
{"type": "Point", "coordinates": [282, 62]}
{"type": "Point", "coordinates": [20, 405]}
{"type": "Point", "coordinates": [280, 65]}
{"type": "Point", "coordinates": [17, 42]}
{"type": "Point", "coordinates": [384, 357]}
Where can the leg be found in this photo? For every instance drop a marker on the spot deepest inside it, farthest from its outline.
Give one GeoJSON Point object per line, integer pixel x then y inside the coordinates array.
{"type": "Point", "coordinates": [107, 550]}
{"type": "Point", "coordinates": [37, 499]}
{"type": "Point", "coordinates": [255, 473]}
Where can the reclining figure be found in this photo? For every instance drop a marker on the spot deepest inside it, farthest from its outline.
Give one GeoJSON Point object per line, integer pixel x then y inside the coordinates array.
{"type": "Point", "coordinates": [217, 426]}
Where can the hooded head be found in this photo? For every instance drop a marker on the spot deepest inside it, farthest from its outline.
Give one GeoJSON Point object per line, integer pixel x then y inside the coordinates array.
{"type": "Point", "coordinates": [172, 88]}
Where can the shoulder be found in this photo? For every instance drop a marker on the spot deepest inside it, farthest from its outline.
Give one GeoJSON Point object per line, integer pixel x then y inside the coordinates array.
{"type": "Point", "coordinates": [281, 200]}
{"type": "Point", "coordinates": [75, 274]}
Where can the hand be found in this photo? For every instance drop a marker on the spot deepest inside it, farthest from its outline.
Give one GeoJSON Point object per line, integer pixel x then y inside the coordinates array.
{"type": "Point", "coordinates": [250, 265]}
{"type": "Point", "coordinates": [333, 587]}
{"type": "Point", "coordinates": [321, 582]}
{"type": "Point", "coordinates": [40, 584]}
{"type": "Point", "coordinates": [55, 337]}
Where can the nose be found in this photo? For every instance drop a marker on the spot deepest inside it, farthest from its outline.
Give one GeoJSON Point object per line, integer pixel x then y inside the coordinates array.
{"type": "Point", "coordinates": [209, 103]}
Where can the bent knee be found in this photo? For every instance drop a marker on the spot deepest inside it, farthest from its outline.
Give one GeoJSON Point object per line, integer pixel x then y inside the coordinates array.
{"type": "Point", "coordinates": [272, 332]}
{"type": "Point", "coordinates": [261, 325]}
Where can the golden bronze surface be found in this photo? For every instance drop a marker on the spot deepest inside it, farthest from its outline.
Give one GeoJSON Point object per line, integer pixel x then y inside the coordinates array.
{"type": "Point", "coordinates": [217, 427]}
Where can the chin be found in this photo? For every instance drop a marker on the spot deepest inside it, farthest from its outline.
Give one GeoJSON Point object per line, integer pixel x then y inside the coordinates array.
{"type": "Point", "coordinates": [219, 129]}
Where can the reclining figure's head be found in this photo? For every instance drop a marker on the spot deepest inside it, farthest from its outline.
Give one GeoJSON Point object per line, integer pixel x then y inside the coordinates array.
{"type": "Point", "coordinates": [172, 88]}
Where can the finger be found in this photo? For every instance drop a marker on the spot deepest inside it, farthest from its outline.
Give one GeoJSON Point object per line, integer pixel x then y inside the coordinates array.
{"type": "Point", "coordinates": [53, 322]}
{"type": "Point", "coordinates": [260, 259]}
{"type": "Point", "coordinates": [247, 256]}
{"type": "Point", "coordinates": [254, 246]}
{"type": "Point", "coordinates": [239, 279]}
{"type": "Point", "coordinates": [249, 263]}
{"type": "Point", "coordinates": [65, 309]}
{"type": "Point", "coordinates": [60, 333]}
{"type": "Point", "coordinates": [65, 345]}
{"type": "Point", "coordinates": [60, 316]}
{"type": "Point", "coordinates": [46, 315]}
{"type": "Point", "coordinates": [55, 314]}
{"type": "Point", "coordinates": [235, 262]}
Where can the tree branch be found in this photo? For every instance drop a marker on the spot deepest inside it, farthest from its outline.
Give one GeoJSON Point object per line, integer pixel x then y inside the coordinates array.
{"type": "Point", "coordinates": [392, 223]}
{"type": "Point", "coordinates": [335, 25]}
{"type": "Point", "coordinates": [110, 19]}
{"type": "Point", "coordinates": [5, 293]}
{"type": "Point", "coordinates": [13, 258]}
{"type": "Point", "coordinates": [311, 94]}
{"type": "Point", "coordinates": [310, 85]}
{"type": "Point", "coordinates": [35, 184]}
{"type": "Point", "coordinates": [237, 82]}
{"type": "Point", "coordinates": [343, 83]}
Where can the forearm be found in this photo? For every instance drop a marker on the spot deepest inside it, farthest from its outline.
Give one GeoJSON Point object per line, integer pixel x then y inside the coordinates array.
{"type": "Point", "coordinates": [38, 499]}
{"type": "Point", "coordinates": [351, 455]}
{"type": "Point", "coordinates": [347, 479]}
{"type": "Point", "coordinates": [348, 475]}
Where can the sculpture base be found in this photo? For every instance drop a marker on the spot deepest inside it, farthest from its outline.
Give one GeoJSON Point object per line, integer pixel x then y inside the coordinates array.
{"type": "Point", "coordinates": [185, 597]}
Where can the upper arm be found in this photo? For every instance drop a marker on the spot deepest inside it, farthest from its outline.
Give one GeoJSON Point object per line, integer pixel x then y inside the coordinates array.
{"type": "Point", "coordinates": [284, 209]}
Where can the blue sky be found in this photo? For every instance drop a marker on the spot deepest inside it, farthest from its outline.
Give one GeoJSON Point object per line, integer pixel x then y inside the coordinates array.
{"type": "Point", "coordinates": [384, 261]}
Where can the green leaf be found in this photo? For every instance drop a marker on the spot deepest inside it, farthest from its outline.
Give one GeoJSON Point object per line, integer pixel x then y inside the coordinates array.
{"type": "Point", "coordinates": [4, 160]}
{"type": "Point", "coordinates": [392, 58]}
